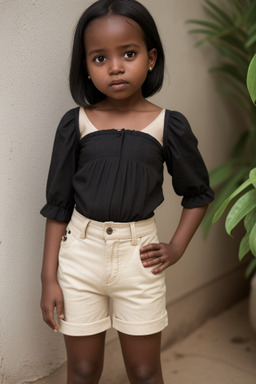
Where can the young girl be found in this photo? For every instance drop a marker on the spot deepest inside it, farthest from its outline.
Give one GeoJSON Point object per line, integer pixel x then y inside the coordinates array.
{"type": "Point", "coordinates": [105, 181]}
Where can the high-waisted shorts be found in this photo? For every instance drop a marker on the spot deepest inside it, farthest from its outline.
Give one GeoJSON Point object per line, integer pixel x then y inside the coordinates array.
{"type": "Point", "coordinates": [103, 281]}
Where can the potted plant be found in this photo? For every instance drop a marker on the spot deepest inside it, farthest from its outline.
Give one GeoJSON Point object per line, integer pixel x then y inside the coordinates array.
{"type": "Point", "coordinates": [244, 208]}
{"type": "Point", "coordinates": [233, 34]}
{"type": "Point", "coordinates": [231, 31]}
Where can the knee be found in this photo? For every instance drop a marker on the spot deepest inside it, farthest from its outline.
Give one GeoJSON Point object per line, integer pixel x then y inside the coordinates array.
{"type": "Point", "coordinates": [84, 373]}
{"type": "Point", "coordinates": [146, 375]}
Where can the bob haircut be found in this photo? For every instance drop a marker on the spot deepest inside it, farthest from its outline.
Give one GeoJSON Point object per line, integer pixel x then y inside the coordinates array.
{"type": "Point", "coordinates": [82, 89]}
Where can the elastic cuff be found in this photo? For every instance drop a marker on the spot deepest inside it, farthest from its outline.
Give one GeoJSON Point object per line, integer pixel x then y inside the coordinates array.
{"type": "Point", "coordinates": [56, 213]}
{"type": "Point", "coordinates": [71, 329]}
{"type": "Point", "coordinates": [141, 328]}
{"type": "Point", "coordinates": [198, 200]}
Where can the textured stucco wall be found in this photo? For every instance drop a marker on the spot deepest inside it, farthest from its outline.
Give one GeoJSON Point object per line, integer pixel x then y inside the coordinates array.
{"type": "Point", "coordinates": [35, 50]}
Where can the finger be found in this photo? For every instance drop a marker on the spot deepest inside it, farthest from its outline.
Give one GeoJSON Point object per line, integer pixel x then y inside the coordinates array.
{"type": "Point", "coordinates": [60, 309]}
{"type": "Point", "coordinates": [49, 319]}
{"type": "Point", "coordinates": [48, 316]}
{"type": "Point", "coordinates": [153, 262]}
{"type": "Point", "coordinates": [151, 255]}
{"type": "Point", "coordinates": [150, 247]}
{"type": "Point", "coordinates": [160, 268]}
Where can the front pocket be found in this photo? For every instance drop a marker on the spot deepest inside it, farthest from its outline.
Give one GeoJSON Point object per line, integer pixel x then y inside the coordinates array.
{"type": "Point", "coordinates": [145, 240]}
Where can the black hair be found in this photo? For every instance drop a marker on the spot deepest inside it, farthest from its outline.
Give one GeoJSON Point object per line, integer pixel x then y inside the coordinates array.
{"type": "Point", "coordinates": [82, 89]}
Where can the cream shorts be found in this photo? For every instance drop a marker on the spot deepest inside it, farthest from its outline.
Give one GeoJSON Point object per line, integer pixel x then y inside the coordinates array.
{"type": "Point", "coordinates": [99, 265]}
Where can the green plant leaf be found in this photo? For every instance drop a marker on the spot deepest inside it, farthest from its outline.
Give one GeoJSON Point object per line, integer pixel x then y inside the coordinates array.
{"type": "Point", "coordinates": [240, 145]}
{"type": "Point", "coordinates": [234, 87]}
{"type": "Point", "coordinates": [237, 6]}
{"type": "Point", "coordinates": [242, 207]}
{"type": "Point", "coordinates": [220, 196]}
{"type": "Point", "coordinates": [250, 220]}
{"type": "Point", "coordinates": [252, 177]}
{"type": "Point", "coordinates": [251, 12]}
{"type": "Point", "coordinates": [225, 203]}
{"type": "Point", "coordinates": [250, 41]}
{"type": "Point", "coordinates": [251, 79]}
{"type": "Point", "coordinates": [230, 28]}
{"type": "Point", "coordinates": [252, 29]}
{"type": "Point", "coordinates": [231, 70]}
{"type": "Point", "coordinates": [207, 24]}
{"type": "Point", "coordinates": [232, 54]}
{"type": "Point", "coordinates": [221, 173]}
{"type": "Point", "coordinates": [204, 31]}
{"type": "Point", "coordinates": [250, 269]}
{"type": "Point", "coordinates": [239, 100]}
{"type": "Point", "coordinates": [252, 240]}
{"type": "Point", "coordinates": [230, 185]}
{"type": "Point", "coordinates": [244, 247]}
{"type": "Point", "coordinates": [218, 13]}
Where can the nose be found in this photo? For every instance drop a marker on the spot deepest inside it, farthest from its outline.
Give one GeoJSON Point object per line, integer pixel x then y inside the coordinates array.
{"type": "Point", "coordinates": [116, 66]}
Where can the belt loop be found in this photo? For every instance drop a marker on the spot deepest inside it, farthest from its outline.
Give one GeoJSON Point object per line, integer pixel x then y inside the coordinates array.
{"type": "Point", "coordinates": [84, 228]}
{"type": "Point", "coordinates": [133, 233]}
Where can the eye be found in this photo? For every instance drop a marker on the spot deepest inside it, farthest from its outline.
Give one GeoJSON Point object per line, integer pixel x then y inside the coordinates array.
{"type": "Point", "coordinates": [99, 59]}
{"type": "Point", "coordinates": [129, 55]}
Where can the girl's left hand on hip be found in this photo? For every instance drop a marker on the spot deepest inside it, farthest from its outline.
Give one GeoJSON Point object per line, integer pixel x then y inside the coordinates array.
{"type": "Point", "coordinates": [161, 255]}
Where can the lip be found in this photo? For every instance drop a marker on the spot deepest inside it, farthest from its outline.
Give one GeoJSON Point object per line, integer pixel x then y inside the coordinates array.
{"type": "Point", "coordinates": [118, 84]}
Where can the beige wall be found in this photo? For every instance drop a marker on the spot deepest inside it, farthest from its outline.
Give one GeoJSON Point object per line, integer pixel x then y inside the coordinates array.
{"type": "Point", "coordinates": [35, 51]}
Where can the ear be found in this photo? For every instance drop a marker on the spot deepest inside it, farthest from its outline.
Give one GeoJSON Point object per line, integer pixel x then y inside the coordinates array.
{"type": "Point", "coordinates": [152, 57]}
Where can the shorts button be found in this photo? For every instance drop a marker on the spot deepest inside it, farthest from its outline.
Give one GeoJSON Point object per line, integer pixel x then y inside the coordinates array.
{"type": "Point", "coordinates": [109, 230]}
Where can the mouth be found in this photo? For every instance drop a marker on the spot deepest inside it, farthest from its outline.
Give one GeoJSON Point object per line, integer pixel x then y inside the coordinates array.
{"type": "Point", "coordinates": [118, 84]}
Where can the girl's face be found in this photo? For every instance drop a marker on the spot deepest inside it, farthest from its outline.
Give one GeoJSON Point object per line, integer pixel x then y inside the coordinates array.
{"type": "Point", "coordinates": [117, 58]}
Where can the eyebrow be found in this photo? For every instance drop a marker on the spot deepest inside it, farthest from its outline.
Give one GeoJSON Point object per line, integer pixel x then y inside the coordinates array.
{"type": "Point", "coordinates": [101, 50]}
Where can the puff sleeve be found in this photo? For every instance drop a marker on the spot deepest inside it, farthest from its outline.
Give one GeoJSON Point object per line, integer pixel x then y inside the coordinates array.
{"type": "Point", "coordinates": [59, 190]}
{"type": "Point", "coordinates": [184, 162]}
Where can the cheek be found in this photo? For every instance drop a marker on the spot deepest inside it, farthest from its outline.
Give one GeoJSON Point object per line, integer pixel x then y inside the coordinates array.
{"type": "Point", "coordinates": [99, 80]}
{"type": "Point", "coordinates": [141, 74]}
{"type": "Point", "coordinates": [96, 74]}
{"type": "Point", "coordinates": [141, 68]}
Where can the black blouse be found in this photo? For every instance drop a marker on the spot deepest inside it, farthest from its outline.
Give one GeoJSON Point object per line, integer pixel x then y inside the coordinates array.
{"type": "Point", "coordinates": [117, 175]}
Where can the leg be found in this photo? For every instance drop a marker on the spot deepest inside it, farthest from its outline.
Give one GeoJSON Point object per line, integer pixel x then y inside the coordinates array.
{"type": "Point", "coordinates": [142, 358]}
{"type": "Point", "coordinates": [85, 358]}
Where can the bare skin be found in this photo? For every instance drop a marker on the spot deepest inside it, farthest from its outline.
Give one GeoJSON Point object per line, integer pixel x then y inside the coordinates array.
{"type": "Point", "coordinates": [118, 62]}
{"type": "Point", "coordinates": [141, 353]}
{"type": "Point", "coordinates": [142, 358]}
{"type": "Point", "coordinates": [85, 357]}
{"type": "Point", "coordinates": [105, 117]}
{"type": "Point", "coordinates": [51, 293]}
{"type": "Point", "coordinates": [167, 254]}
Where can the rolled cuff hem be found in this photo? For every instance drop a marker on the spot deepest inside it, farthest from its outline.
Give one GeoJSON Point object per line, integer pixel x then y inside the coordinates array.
{"type": "Point", "coordinates": [141, 328]}
{"type": "Point", "coordinates": [89, 329]}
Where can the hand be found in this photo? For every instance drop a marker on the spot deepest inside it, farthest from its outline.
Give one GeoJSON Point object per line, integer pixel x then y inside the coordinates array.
{"type": "Point", "coordinates": [161, 254]}
{"type": "Point", "coordinates": [52, 297]}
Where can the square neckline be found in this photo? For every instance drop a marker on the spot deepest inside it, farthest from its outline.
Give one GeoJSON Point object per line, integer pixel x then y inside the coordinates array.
{"type": "Point", "coordinates": [94, 128]}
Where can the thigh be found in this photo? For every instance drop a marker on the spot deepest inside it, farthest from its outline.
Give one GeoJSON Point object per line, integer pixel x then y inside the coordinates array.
{"type": "Point", "coordinates": [142, 357]}
{"type": "Point", "coordinates": [85, 355]}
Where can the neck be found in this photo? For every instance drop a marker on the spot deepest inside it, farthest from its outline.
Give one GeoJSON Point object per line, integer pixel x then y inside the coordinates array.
{"type": "Point", "coordinates": [132, 104]}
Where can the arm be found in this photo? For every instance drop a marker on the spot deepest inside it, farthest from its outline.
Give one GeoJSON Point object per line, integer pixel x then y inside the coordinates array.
{"type": "Point", "coordinates": [51, 292]}
{"type": "Point", "coordinates": [168, 254]}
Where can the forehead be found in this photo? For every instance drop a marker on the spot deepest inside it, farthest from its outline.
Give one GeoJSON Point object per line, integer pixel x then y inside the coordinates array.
{"type": "Point", "coordinates": [112, 29]}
